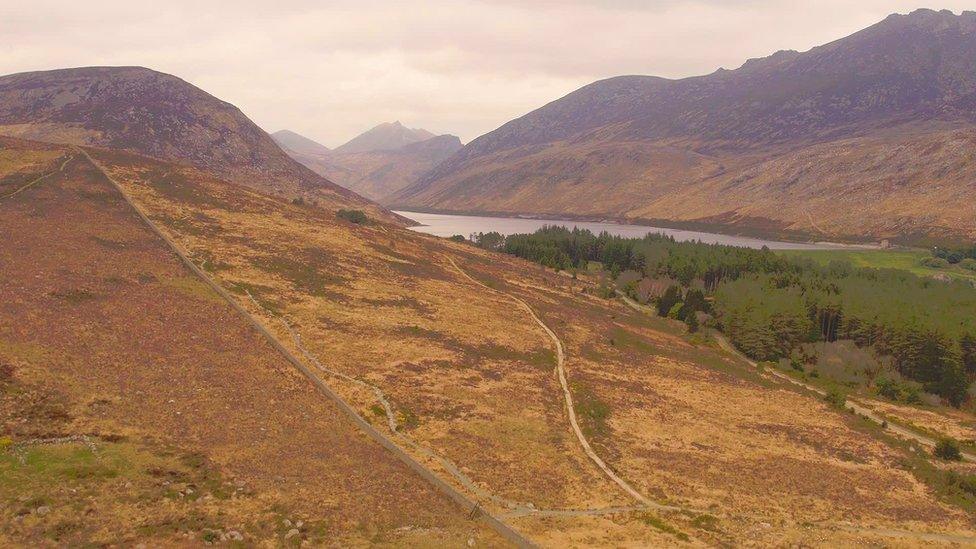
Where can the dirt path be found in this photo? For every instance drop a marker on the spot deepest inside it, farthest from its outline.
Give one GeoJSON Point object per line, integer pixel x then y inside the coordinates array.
{"type": "Point", "coordinates": [38, 180]}
{"type": "Point", "coordinates": [567, 395]}
{"type": "Point", "coordinates": [858, 408]}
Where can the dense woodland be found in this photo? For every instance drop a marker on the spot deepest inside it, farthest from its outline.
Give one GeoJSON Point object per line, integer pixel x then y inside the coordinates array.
{"type": "Point", "coordinates": [769, 305]}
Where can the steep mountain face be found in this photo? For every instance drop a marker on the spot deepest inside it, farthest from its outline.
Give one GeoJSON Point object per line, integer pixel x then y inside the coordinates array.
{"type": "Point", "coordinates": [376, 174]}
{"type": "Point", "coordinates": [155, 114]}
{"type": "Point", "coordinates": [385, 137]}
{"type": "Point", "coordinates": [292, 141]}
{"type": "Point", "coordinates": [796, 142]}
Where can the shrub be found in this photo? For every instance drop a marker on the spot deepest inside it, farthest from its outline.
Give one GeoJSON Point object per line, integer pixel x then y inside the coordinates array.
{"type": "Point", "coordinates": [298, 201]}
{"type": "Point", "coordinates": [899, 391]}
{"type": "Point", "coordinates": [458, 238]}
{"type": "Point", "coordinates": [667, 301]}
{"type": "Point", "coordinates": [836, 398]}
{"type": "Point", "coordinates": [969, 264]}
{"type": "Point", "coordinates": [965, 483]}
{"type": "Point", "coordinates": [947, 449]}
{"type": "Point", "coordinates": [934, 263]}
{"type": "Point", "coordinates": [353, 216]}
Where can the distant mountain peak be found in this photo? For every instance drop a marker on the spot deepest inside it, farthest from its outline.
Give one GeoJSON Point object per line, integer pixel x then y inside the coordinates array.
{"type": "Point", "coordinates": [296, 142]}
{"type": "Point", "coordinates": [387, 136]}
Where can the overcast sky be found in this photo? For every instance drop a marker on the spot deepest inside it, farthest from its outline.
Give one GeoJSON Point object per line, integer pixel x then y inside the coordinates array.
{"type": "Point", "coordinates": [331, 69]}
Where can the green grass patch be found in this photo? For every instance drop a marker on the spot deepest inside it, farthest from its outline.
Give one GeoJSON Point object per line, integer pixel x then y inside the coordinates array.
{"type": "Point", "coordinates": [590, 410]}
{"type": "Point", "coordinates": [623, 338]}
{"type": "Point", "coordinates": [661, 525]}
{"type": "Point", "coordinates": [905, 260]}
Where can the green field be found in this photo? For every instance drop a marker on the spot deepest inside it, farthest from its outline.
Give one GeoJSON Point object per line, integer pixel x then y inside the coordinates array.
{"type": "Point", "coordinates": [904, 259]}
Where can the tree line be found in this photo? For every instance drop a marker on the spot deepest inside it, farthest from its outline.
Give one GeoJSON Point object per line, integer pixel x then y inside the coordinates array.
{"type": "Point", "coordinates": [769, 305]}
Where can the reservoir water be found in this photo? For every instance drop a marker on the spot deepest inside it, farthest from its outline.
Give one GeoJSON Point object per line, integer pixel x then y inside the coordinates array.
{"type": "Point", "coordinates": [465, 225]}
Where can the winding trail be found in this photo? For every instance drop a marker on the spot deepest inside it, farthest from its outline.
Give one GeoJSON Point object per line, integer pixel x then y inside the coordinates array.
{"type": "Point", "coordinates": [567, 395]}
{"type": "Point", "coordinates": [515, 508]}
{"type": "Point", "coordinates": [853, 405]}
{"type": "Point", "coordinates": [38, 180]}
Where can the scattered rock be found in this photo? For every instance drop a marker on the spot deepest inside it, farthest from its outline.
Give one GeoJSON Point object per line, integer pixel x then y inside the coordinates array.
{"type": "Point", "coordinates": [292, 533]}
{"type": "Point", "coordinates": [234, 535]}
{"type": "Point", "coordinates": [42, 510]}
{"type": "Point", "coordinates": [470, 542]}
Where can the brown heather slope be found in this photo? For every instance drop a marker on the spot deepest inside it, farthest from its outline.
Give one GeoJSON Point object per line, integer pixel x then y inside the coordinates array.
{"type": "Point", "coordinates": [162, 116]}
{"type": "Point", "coordinates": [138, 406]}
{"type": "Point", "coordinates": [469, 379]}
{"type": "Point", "coordinates": [866, 137]}
{"type": "Point", "coordinates": [375, 174]}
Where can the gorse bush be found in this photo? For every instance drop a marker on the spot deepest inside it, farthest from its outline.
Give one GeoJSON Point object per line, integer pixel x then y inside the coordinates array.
{"type": "Point", "coordinates": [836, 398]}
{"type": "Point", "coordinates": [948, 450]}
{"type": "Point", "coordinates": [353, 216]}
{"type": "Point", "coordinates": [934, 262]}
{"type": "Point", "coordinates": [899, 391]}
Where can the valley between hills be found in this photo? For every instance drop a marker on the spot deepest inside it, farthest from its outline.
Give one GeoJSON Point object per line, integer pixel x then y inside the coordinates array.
{"type": "Point", "coordinates": [688, 435]}
{"type": "Point", "coordinates": [210, 335]}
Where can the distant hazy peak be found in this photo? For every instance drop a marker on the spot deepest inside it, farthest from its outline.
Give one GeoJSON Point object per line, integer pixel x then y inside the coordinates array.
{"type": "Point", "coordinates": [385, 137]}
{"type": "Point", "coordinates": [290, 140]}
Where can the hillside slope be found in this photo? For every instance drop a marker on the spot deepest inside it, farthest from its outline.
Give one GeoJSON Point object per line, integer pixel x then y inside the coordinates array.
{"type": "Point", "coordinates": [129, 389]}
{"type": "Point", "coordinates": [158, 115]}
{"type": "Point", "coordinates": [795, 142]}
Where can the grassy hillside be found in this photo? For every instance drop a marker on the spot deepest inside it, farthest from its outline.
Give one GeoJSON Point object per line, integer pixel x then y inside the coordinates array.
{"type": "Point", "coordinates": [137, 406]}
{"type": "Point", "coordinates": [469, 376]}
{"type": "Point", "coordinates": [456, 373]}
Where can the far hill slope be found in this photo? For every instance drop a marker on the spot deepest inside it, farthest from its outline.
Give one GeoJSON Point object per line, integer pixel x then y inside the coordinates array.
{"type": "Point", "coordinates": [290, 140]}
{"type": "Point", "coordinates": [388, 136]}
{"type": "Point", "coordinates": [871, 135]}
{"type": "Point", "coordinates": [159, 115]}
{"type": "Point", "coordinates": [376, 174]}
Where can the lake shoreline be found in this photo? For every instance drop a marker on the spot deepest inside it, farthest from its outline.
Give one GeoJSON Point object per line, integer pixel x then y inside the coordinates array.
{"type": "Point", "coordinates": [449, 224]}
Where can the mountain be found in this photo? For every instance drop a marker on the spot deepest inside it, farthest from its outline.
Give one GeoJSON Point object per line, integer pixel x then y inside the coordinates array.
{"type": "Point", "coordinates": [158, 115]}
{"type": "Point", "coordinates": [376, 174]}
{"type": "Point", "coordinates": [291, 141]}
{"type": "Point", "coordinates": [388, 136]}
{"type": "Point", "coordinates": [868, 136]}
